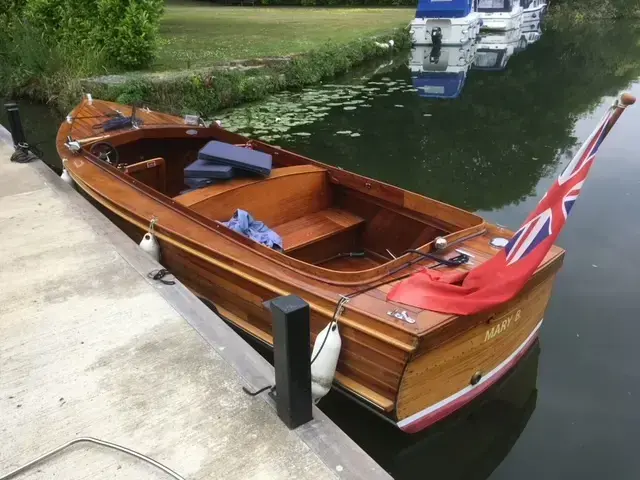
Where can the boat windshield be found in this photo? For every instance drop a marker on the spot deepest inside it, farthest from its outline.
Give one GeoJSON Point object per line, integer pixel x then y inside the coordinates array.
{"type": "Point", "coordinates": [490, 6]}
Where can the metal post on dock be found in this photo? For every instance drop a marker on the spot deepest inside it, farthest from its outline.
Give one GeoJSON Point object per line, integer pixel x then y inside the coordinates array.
{"type": "Point", "coordinates": [291, 355]}
{"type": "Point", "coordinates": [15, 124]}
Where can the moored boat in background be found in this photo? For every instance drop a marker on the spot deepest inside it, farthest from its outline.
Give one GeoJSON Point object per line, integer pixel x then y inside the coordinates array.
{"type": "Point", "coordinates": [500, 14]}
{"type": "Point", "coordinates": [534, 10]}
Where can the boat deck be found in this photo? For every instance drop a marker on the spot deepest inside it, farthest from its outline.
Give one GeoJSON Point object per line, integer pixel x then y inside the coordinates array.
{"type": "Point", "coordinates": [91, 347]}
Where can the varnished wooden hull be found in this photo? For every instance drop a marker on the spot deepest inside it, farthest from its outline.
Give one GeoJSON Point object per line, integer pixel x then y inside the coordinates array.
{"type": "Point", "coordinates": [413, 374]}
{"type": "Point", "coordinates": [450, 375]}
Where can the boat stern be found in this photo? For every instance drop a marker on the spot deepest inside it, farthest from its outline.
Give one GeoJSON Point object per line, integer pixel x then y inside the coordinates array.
{"type": "Point", "coordinates": [462, 358]}
{"type": "Point", "coordinates": [445, 31]}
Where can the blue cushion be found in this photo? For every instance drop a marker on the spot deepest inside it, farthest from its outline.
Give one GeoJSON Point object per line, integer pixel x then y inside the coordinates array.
{"type": "Point", "coordinates": [194, 182]}
{"type": "Point", "coordinates": [204, 169]}
{"type": "Point", "coordinates": [237, 157]}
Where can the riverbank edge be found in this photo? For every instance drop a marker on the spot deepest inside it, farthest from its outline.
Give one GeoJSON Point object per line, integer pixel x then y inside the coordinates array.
{"type": "Point", "coordinates": [206, 91]}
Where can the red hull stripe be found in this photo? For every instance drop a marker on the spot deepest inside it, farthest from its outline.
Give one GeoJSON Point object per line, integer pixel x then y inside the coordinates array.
{"type": "Point", "coordinates": [446, 407]}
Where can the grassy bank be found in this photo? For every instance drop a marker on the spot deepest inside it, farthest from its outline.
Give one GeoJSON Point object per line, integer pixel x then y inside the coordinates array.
{"type": "Point", "coordinates": [195, 35]}
{"type": "Point", "coordinates": [209, 57]}
{"type": "Point", "coordinates": [216, 57]}
{"type": "Point", "coordinates": [208, 90]}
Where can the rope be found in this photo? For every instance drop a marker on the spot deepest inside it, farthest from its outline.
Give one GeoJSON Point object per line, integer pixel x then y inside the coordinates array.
{"type": "Point", "coordinates": [152, 225]}
{"type": "Point", "coordinates": [257, 392]}
{"type": "Point", "coordinates": [25, 153]}
{"type": "Point", "coordinates": [159, 275]}
{"type": "Point", "coordinates": [336, 314]}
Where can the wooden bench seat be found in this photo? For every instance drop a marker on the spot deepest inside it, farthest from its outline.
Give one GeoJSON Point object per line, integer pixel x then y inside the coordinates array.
{"type": "Point", "coordinates": [315, 227]}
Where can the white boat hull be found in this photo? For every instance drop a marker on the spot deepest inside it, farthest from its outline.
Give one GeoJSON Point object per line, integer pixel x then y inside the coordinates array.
{"type": "Point", "coordinates": [502, 20]}
{"type": "Point", "coordinates": [451, 59]}
{"type": "Point", "coordinates": [455, 31]}
{"type": "Point", "coordinates": [533, 14]}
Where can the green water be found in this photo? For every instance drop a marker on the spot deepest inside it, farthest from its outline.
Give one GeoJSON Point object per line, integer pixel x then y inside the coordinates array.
{"type": "Point", "coordinates": [570, 410]}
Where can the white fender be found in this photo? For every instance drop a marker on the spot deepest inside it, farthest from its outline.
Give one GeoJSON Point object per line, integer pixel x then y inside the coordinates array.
{"type": "Point", "coordinates": [150, 244]}
{"type": "Point", "coordinates": [325, 360]}
{"type": "Point", "coordinates": [66, 178]}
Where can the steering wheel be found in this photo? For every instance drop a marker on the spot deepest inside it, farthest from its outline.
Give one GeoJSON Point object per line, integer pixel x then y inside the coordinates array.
{"type": "Point", "coordinates": [105, 152]}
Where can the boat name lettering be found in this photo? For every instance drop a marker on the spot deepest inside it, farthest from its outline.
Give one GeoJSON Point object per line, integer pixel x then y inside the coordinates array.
{"type": "Point", "coordinates": [502, 326]}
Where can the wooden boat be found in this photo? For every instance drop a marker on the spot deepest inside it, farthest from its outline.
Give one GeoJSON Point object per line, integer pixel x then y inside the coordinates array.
{"type": "Point", "coordinates": [411, 366]}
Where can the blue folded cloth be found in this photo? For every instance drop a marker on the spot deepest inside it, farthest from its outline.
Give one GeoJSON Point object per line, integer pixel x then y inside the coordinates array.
{"type": "Point", "coordinates": [243, 223]}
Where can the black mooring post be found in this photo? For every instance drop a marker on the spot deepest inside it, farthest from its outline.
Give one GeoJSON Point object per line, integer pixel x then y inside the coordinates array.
{"type": "Point", "coordinates": [15, 124]}
{"type": "Point", "coordinates": [291, 356]}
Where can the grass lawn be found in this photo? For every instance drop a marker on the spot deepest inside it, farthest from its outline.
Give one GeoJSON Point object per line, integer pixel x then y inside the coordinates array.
{"type": "Point", "coordinates": [197, 34]}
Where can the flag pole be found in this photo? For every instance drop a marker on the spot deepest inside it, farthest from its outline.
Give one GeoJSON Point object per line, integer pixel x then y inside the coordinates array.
{"type": "Point", "coordinates": [625, 100]}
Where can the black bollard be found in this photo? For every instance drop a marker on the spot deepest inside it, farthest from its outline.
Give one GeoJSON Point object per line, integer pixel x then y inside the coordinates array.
{"type": "Point", "coordinates": [291, 359]}
{"type": "Point", "coordinates": [15, 124]}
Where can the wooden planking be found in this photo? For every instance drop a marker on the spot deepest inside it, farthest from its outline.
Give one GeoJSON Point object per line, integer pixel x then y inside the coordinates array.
{"type": "Point", "coordinates": [444, 213]}
{"type": "Point", "coordinates": [315, 227]}
{"type": "Point", "coordinates": [376, 342]}
{"type": "Point", "coordinates": [360, 354]}
{"type": "Point", "coordinates": [318, 252]}
{"type": "Point", "coordinates": [330, 276]}
{"type": "Point", "coordinates": [152, 173]}
{"type": "Point", "coordinates": [274, 201]}
{"type": "Point", "coordinates": [197, 196]}
{"type": "Point", "coordinates": [443, 371]}
{"type": "Point", "coordinates": [351, 263]}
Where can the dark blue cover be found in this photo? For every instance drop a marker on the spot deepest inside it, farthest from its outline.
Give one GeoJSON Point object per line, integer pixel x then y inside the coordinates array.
{"type": "Point", "coordinates": [204, 169]}
{"type": "Point", "coordinates": [444, 8]}
{"type": "Point", "coordinates": [195, 183]}
{"type": "Point", "coordinates": [237, 157]}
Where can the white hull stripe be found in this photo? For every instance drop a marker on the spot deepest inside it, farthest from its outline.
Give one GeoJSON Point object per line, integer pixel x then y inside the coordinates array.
{"type": "Point", "coordinates": [486, 378]}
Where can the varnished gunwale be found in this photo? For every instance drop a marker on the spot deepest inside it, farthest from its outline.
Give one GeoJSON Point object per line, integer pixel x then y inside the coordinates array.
{"type": "Point", "coordinates": [400, 343]}
{"type": "Point", "coordinates": [354, 278]}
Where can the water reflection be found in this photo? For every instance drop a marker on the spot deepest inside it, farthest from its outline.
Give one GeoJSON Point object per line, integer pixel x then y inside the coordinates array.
{"type": "Point", "coordinates": [468, 446]}
{"type": "Point", "coordinates": [440, 72]}
{"type": "Point", "coordinates": [483, 150]}
{"type": "Point", "coordinates": [496, 48]}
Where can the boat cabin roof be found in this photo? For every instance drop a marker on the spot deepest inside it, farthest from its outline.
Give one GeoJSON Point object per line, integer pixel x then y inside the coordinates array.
{"type": "Point", "coordinates": [444, 9]}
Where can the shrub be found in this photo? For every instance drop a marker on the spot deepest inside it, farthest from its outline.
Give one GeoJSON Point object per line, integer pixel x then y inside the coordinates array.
{"type": "Point", "coordinates": [128, 31]}
{"type": "Point", "coordinates": [125, 30]}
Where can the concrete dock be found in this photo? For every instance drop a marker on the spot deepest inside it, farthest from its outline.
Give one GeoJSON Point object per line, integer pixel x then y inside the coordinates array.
{"type": "Point", "coordinates": [91, 347]}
